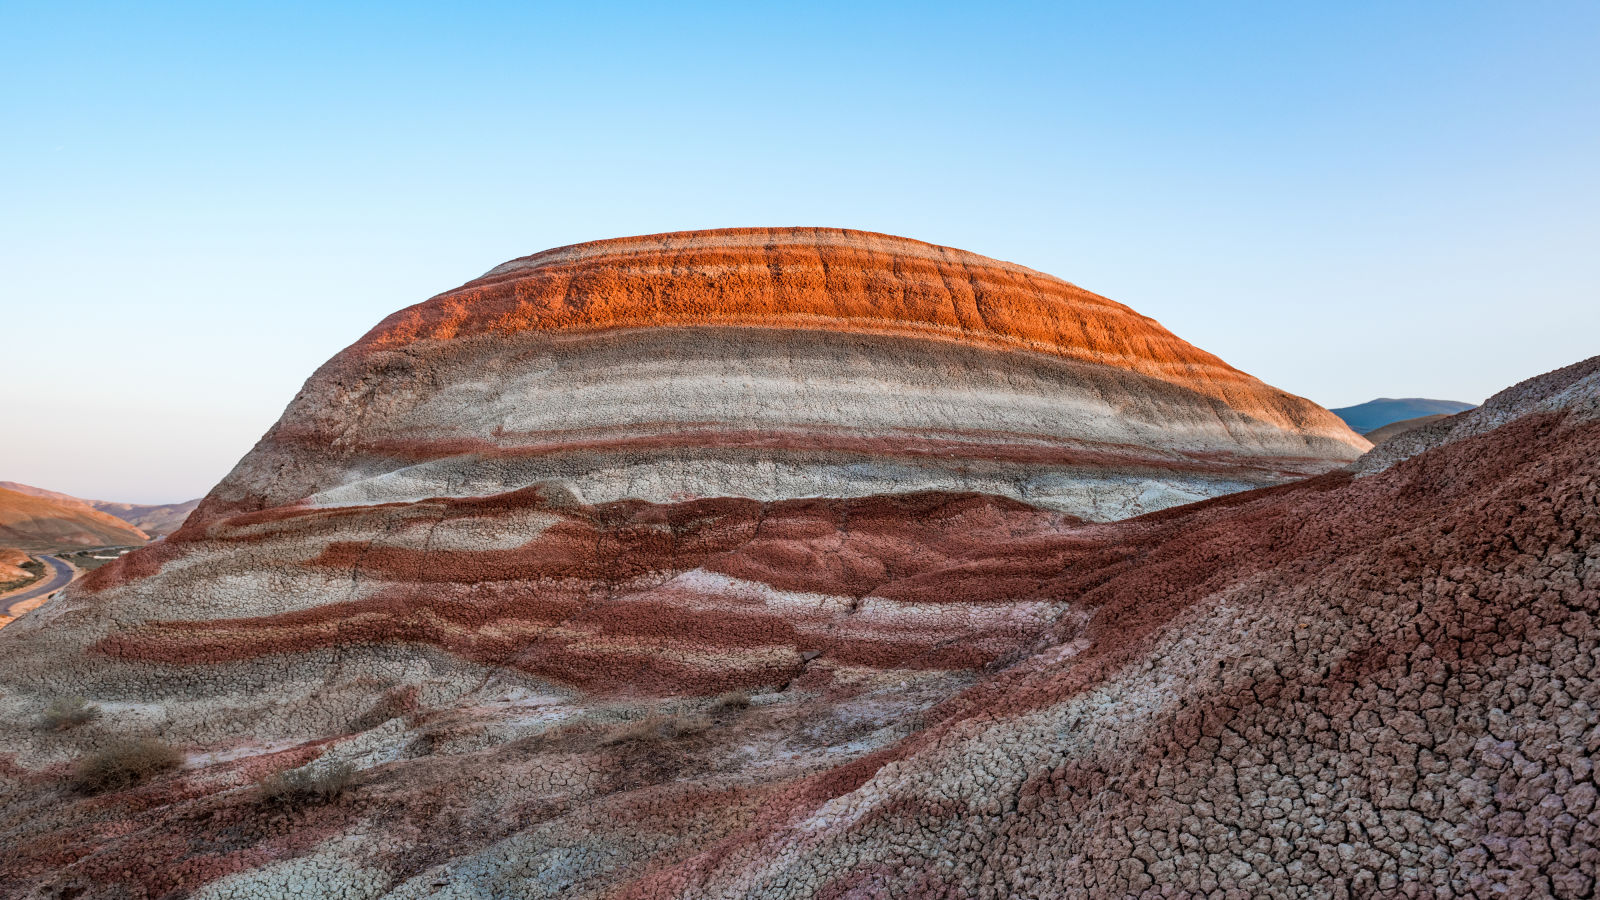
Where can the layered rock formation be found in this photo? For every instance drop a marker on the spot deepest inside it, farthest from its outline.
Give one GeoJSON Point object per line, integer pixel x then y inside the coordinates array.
{"type": "Point", "coordinates": [1344, 686]}
{"type": "Point", "coordinates": [1341, 686]}
{"type": "Point", "coordinates": [779, 363]}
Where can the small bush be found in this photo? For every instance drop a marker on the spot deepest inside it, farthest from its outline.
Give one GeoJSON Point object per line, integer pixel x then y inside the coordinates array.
{"type": "Point", "coordinates": [655, 728]}
{"type": "Point", "coordinates": [303, 787]}
{"type": "Point", "coordinates": [68, 712]}
{"type": "Point", "coordinates": [124, 766]}
{"type": "Point", "coordinates": [732, 700]}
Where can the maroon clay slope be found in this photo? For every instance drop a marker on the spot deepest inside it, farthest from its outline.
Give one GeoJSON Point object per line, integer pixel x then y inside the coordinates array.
{"type": "Point", "coordinates": [1412, 670]}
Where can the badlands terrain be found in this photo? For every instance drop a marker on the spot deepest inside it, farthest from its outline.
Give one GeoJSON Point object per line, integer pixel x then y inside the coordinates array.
{"type": "Point", "coordinates": [776, 363]}
{"type": "Point", "coordinates": [813, 563]}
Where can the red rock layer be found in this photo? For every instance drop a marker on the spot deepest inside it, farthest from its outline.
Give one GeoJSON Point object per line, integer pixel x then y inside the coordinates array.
{"type": "Point", "coordinates": [596, 601]}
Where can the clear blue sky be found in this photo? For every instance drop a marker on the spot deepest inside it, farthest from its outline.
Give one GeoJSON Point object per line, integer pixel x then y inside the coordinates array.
{"type": "Point", "coordinates": [202, 203]}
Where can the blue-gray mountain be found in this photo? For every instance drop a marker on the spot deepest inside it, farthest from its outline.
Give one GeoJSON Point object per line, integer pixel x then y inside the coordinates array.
{"type": "Point", "coordinates": [1375, 414]}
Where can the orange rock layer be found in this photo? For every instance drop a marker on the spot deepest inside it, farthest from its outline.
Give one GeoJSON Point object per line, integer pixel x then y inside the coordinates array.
{"type": "Point", "coordinates": [830, 279]}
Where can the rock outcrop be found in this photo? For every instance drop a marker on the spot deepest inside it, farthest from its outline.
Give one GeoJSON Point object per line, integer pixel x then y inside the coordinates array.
{"type": "Point", "coordinates": [1340, 686]}
{"type": "Point", "coordinates": [1573, 387]}
{"type": "Point", "coordinates": [774, 364]}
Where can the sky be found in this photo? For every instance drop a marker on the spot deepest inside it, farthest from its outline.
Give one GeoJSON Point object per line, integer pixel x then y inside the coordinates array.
{"type": "Point", "coordinates": [199, 204]}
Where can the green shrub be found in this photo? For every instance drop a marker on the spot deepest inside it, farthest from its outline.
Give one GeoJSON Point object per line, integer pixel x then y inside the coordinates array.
{"type": "Point", "coordinates": [124, 766]}
{"type": "Point", "coordinates": [68, 712]}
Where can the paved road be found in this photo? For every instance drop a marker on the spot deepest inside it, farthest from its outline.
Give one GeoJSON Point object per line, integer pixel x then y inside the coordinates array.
{"type": "Point", "coordinates": [60, 576]}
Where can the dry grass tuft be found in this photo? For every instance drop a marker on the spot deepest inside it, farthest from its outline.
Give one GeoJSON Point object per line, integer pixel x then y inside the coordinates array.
{"type": "Point", "coordinates": [124, 766]}
{"type": "Point", "coordinates": [298, 788]}
{"type": "Point", "coordinates": [731, 700]}
{"type": "Point", "coordinates": [654, 728]}
{"type": "Point", "coordinates": [68, 712]}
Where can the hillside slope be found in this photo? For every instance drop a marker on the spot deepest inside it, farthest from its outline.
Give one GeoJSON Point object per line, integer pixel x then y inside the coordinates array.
{"type": "Point", "coordinates": [28, 522]}
{"type": "Point", "coordinates": [1375, 680]}
{"type": "Point", "coordinates": [12, 572]}
{"type": "Point", "coordinates": [153, 519]}
{"type": "Point", "coordinates": [1570, 387]}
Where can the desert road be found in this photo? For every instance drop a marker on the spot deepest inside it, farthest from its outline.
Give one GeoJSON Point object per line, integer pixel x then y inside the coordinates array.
{"type": "Point", "coordinates": [61, 574]}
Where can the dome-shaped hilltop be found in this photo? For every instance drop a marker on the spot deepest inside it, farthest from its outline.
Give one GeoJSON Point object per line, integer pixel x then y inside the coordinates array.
{"type": "Point", "coordinates": [780, 362]}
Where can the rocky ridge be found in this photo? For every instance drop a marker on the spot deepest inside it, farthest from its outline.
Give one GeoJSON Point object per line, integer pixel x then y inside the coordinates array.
{"type": "Point", "coordinates": [1569, 388]}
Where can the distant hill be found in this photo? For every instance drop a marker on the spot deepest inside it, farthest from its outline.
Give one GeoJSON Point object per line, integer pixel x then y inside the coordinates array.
{"type": "Point", "coordinates": [31, 522]}
{"type": "Point", "coordinates": [1375, 414]}
{"type": "Point", "coordinates": [1394, 429]}
{"type": "Point", "coordinates": [155, 520]}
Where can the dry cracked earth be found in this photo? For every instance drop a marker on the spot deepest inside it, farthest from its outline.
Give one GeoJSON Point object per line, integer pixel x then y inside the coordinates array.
{"type": "Point", "coordinates": [1378, 681]}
